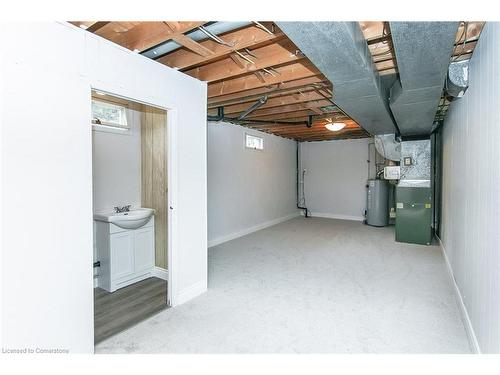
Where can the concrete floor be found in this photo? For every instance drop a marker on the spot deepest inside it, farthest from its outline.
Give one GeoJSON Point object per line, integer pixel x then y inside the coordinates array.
{"type": "Point", "coordinates": [311, 286]}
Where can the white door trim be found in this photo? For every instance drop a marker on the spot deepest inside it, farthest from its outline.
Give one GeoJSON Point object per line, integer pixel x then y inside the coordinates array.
{"type": "Point", "coordinates": [172, 172]}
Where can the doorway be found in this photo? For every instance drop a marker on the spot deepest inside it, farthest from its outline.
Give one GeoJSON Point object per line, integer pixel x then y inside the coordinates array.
{"type": "Point", "coordinates": [130, 204]}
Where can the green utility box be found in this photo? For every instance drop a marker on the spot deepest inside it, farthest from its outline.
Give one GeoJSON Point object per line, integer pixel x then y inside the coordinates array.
{"type": "Point", "coordinates": [414, 215]}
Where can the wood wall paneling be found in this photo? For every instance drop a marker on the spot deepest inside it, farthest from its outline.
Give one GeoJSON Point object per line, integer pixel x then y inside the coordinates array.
{"type": "Point", "coordinates": [154, 175]}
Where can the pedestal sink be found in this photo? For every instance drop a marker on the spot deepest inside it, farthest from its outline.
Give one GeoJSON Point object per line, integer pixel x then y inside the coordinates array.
{"type": "Point", "coordinates": [133, 219]}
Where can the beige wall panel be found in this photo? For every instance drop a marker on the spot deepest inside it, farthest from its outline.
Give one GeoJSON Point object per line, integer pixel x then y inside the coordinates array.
{"type": "Point", "coordinates": [154, 176]}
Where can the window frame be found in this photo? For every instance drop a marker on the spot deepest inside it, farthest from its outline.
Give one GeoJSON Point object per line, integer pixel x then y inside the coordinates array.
{"type": "Point", "coordinates": [247, 135]}
{"type": "Point", "coordinates": [111, 126]}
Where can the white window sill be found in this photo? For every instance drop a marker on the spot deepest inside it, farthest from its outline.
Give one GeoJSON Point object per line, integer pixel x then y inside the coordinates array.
{"type": "Point", "coordinates": [110, 129]}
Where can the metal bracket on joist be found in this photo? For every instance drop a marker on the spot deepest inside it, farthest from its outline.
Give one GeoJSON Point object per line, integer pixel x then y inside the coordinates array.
{"type": "Point", "coordinates": [309, 121]}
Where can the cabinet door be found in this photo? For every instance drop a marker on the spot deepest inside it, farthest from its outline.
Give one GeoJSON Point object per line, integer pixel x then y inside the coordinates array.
{"type": "Point", "coordinates": [144, 249]}
{"type": "Point", "coordinates": [122, 254]}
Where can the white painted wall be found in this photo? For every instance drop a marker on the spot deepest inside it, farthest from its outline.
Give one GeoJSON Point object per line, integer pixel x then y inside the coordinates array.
{"type": "Point", "coordinates": [116, 165]}
{"type": "Point", "coordinates": [471, 191]}
{"type": "Point", "coordinates": [47, 72]}
{"type": "Point", "coordinates": [247, 189]}
{"type": "Point", "coordinates": [336, 175]}
{"type": "Point", "coordinates": [116, 168]}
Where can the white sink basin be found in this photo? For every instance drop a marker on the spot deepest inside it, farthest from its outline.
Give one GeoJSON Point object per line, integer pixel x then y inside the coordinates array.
{"type": "Point", "coordinates": [133, 219]}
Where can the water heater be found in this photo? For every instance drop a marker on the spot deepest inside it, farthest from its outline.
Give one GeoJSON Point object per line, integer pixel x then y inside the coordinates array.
{"type": "Point", "coordinates": [377, 212]}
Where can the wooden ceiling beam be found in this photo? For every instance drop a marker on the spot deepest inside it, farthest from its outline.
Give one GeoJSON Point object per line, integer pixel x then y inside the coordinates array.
{"type": "Point", "coordinates": [281, 52]}
{"type": "Point", "coordinates": [237, 60]}
{"type": "Point", "coordinates": [260, 76]}
{"type": "Point", "coordinates": [320, 126]}
{"type": "Point", "coordinates": [351, 135]}
{"type": "Point", "coordinates": [286, 116]}
{"type": "Point", "coordinates": [286, 73]}
{"type": "Point", "coordinates": [277, 89]}
{"type": "Point", "coordinates": [289, 108]}
{"type": "Point", "coordinates": [312, 136]}
{"type": "Point", "coordinates": [90, 26]}
{"type": "Point", "coordinates": [96, 26]}
{"type": "Point", "coordinates": [317, 134]}
{"type": "Point", "coordinates": [144, 35]}
{"type": "Point", "coordinates": [302, 130]}
{"type": "Point", "coordinates": [298, 114]}
{"type": "Point", "coordinates": [304, 116]}
{"type": "Point", "coordinates": [190, 44]}
{"type": "Point", "coordinates": [243, 38]}
{"type": "Point", "coordinates": [277, 102]}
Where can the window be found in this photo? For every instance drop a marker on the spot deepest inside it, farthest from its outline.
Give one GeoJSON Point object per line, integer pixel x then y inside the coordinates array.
{"type": "Point", "coordinates": [254, 142]}
{"type": "Point", "coordinates": [109, 114]}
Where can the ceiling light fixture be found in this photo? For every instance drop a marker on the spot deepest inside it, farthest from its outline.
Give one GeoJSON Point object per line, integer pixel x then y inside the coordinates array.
{"type": "Point", "coordinates": [335, 126]}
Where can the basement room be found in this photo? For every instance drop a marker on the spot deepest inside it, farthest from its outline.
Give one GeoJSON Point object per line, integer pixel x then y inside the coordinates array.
{"type": "Point", "coordinates": [250, 187]}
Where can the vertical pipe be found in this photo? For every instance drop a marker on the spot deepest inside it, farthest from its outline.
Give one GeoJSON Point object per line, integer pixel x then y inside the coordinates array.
{"type": "Point", "coordinates": [306, 211]}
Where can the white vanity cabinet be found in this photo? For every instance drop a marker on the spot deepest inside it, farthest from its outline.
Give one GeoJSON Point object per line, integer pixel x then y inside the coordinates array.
{"type": "Point", "coordinates": [125, 255]}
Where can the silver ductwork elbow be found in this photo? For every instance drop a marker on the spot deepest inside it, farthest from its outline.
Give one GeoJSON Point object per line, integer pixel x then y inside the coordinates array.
{"type": "Point", "coordinates": [457, 80]}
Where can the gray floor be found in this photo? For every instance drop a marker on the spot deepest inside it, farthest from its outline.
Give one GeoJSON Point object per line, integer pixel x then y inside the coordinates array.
{"type": "Point", "coordinates": [311, 286]}
{"type": "Point", "coordinates": [115, 312]}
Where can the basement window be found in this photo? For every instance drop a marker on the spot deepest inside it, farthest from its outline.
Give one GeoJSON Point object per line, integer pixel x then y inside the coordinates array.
{"type": "Point", "coordinates": [109, 115]}
{"type": "Point", "coordinates": [253, 142]}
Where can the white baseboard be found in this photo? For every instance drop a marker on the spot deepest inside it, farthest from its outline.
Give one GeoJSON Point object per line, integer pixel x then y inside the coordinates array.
{"type": "Point", "coordinates": [463, 309]}
{"type": "Point", "coordinates": [160, 273]}
{"type": "Point", "coordinates": [336, 216]}
{"type": "Point", "coordinates": [191, 292]}
{"type": "Point", "coordinates": [244, 232]}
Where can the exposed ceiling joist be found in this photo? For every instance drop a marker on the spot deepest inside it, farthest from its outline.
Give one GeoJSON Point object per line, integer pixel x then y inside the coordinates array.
{"type": "Point", "coordinates": [278, 101]}
{"type": "Point", "coordinates": [281, 52]}
{"type": "Point", "coordinates": [239, 39]}
{"type": "Point", "coordinates": [257, 59]}
{"type": "Point", "coordinates": [288, 72]}
{"type": "Point", "coordinates": [312, 105]}
{"type": "Point", "coordinates": [191, 45]}
{"type": "Point", "coordinates": [281, 88]}
{"type": "Point", "coordinates": [96, 26]}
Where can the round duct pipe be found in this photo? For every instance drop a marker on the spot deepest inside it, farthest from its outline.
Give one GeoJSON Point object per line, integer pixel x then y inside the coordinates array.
{"type": "Point", "coordinates": [387, 146]}
{"type": "Point", "coordinates": [457, 80]}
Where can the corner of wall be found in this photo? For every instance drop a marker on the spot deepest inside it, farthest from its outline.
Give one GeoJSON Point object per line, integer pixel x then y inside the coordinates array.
{"type": "Point", "coordinates": [469, 329]}
{"type": "Point", "coordinates": [191, 292]}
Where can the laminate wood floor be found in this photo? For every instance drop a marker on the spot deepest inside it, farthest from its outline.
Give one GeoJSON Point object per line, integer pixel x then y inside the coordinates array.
{"type": "Point", "coordinates": [115, 312]}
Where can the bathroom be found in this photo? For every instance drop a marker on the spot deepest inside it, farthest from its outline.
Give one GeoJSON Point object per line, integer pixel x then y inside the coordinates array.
{"type": "Point", "coordinates": [129, 162]}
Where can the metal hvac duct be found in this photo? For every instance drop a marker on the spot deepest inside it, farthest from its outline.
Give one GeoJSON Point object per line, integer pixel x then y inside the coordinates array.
{"type": "Point", "coordinates": [457, 81]}
{"type": "Point", "coordinates": [387, 146]}
{"type": "Point", "coordinates": [423, 51]}
{"type": "Point", "coordinates": [339, 50]}
{"type": "Point", "coordinates": [215, 28]}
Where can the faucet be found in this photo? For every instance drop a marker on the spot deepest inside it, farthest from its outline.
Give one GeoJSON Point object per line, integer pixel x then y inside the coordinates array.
{"type": "Point", "coordinates": [119, 209]}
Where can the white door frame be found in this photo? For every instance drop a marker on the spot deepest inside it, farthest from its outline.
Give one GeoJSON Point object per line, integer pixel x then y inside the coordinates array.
{"type": "Point", "coordinates": [172, 178]}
